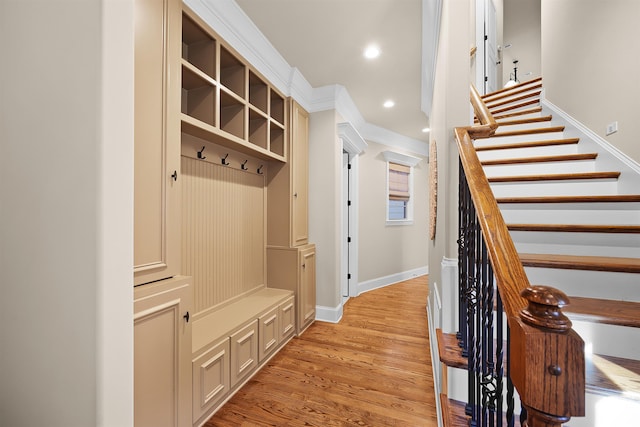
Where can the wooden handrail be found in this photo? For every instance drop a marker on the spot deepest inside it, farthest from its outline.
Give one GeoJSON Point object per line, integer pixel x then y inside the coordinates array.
{"type": "Point", "coordinates": [488, 125]}
{"type": "Point", "coordinates": [547, 364]}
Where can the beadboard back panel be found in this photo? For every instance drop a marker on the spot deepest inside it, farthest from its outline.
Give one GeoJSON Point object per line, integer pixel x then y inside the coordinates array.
{"type": "Point", "coordinates": [223, 231]}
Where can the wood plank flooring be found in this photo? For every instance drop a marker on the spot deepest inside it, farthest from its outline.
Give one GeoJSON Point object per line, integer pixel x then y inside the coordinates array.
{"type": "Point", "coordinates": [371, 369]}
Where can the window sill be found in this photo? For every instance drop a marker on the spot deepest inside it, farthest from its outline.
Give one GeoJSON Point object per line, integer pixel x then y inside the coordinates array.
{"type": "Point", "coordinates": [399, 222]}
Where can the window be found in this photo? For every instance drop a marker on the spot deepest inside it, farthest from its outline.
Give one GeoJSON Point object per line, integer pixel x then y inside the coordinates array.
{"type": "Point", "coordinates": [399, 187]}
{"type": "Point", "coordinates": [399, 192]}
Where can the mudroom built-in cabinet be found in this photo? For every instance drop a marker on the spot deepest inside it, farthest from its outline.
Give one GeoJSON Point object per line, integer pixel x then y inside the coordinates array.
{"type": "Point", "coordinates": [221, 182]}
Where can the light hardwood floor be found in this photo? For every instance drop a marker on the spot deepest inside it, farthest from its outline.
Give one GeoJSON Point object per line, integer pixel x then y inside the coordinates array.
{"type": "Point", "coordinates": [371, 369]}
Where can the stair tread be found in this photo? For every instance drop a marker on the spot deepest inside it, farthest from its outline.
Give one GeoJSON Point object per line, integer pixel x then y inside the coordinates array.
{"type": "Point", "coordinates": [512, 122]}
{"type": "Point", "coordinates": [576, 228]}
{"type": "Point", "coordinates": [614, 198]}
{"type": "Point", "coordinates": [609, 375]}
{"type": "Point", "coordinates": [449, 350]}
{"type": "Point", "coordinates": [611, 312]}
{"type": "Point", "coordinates": [532, 82]}
{"type": "Point", "coordinates": [529, 144]}
{"type": "Point", "coordinates": [556, 177]}
{"type": "Point", "coordinates": [520, 132]}
{"type": "Point", "coordinates": [517, 113]}
{"type": "Point", "coordinates": [604, 374]}
{"type": "Point", "coordinates": [498, 102]}
{"type": "Point", "coordinates": [514, 107]}
{"type": "Point", "coordinates": [453, 413]}
{"type": "Point", "coordinates": [581, 262]}
{"type": "Point", "coordinates": [540, 159]}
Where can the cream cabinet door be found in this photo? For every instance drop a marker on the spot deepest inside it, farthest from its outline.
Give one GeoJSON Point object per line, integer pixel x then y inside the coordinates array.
{"type": "Point", "coordinates": [157, 139]}
{"type": "Point", "coordinates": [300, 176]}
{"type": "Point", "coordinates": [307, 287]}
{"type": "Point", "coordinates": [162, 354]}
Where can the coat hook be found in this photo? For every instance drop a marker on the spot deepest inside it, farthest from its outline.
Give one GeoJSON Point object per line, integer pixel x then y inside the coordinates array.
{"type": "Point", "coordinates": [260, 170]}
{"type": "Point", "coordinates": [224, 160]}
{"type": "Point", "coordinates": [200, 156]}
{"type": "Point", "coordinates": [242, 166]}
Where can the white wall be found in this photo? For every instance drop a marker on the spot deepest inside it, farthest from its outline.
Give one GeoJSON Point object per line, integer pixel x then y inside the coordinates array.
{"type": "Point", "coordinates": [386, 250]}
{"type": "Point", "coordinates": [590, 62]}
{"type": "Point", "coordinates": [66, 213]}
{"type": "Point", "coordinates": [325, 175]}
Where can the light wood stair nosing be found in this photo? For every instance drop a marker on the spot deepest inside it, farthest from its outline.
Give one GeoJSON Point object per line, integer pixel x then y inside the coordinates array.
{"type": "Point", "coordinates": [581, 262]}
{"type": "Point", "coordinates": [576, 228]}
{"type": "Point", "coordinates": [614, 198]}
{"type": "Point", "coordinates": [610, 312]}
{"type": "Point", "coordinates": [529, 144]}
{"type": "Point", "coordinates": [518, 113]}
{"type": "Point", "coordinates": [512, 88]}
{"type": "Point", "coordinates": [556, 177]}
{"type": "Point", "coordinates": [513, 122]}
{"type": "Point", "coordinates": [532, 131]}
{"type": "Point", "coordinates": [540, 159]}
{"type": "Point", "coordinates": [511, 99]}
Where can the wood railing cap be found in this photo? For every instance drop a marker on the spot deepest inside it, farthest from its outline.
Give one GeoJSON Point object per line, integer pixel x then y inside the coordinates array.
{"type": "Point", "coordinates": [545, 308]}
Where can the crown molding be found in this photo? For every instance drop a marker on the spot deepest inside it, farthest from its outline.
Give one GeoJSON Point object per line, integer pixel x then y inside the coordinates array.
{"type": "Point", "coordinates": [400, 158]}
{"type": "Point", "coordinates": [394, 140]}
{"type": "Point", "coordinates": [352, 142]}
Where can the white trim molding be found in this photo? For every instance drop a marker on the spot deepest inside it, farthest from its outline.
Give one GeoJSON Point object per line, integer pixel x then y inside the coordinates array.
{"type": "Point", "coordinates": [403, 159]}
{"type": "Point", "coordinates": [329, 314]}
{"type": "Point", "coordinates": [352, 142]}
{"type": "Point", "coordinates": [381, 282]}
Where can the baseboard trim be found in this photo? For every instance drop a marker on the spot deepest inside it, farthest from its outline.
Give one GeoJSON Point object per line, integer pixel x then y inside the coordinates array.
{"type": "Point", "coordinates": [381, 282]}
{"type": "Point", "coordinates": [329, 314]}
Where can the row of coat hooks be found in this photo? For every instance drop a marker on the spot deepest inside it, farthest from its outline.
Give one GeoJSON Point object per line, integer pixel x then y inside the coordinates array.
{"type": "Point", "coordinates": [224, 161]}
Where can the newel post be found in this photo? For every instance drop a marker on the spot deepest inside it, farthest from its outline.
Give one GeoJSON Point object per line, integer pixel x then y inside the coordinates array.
{"type": "Point", "coordinates": [547, 359]}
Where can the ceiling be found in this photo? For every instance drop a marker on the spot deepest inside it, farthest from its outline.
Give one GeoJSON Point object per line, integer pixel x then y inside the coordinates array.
{"type": "Point", "coordinates": [325, 40]}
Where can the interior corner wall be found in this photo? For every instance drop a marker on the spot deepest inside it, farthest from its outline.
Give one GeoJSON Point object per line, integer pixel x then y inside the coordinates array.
{"type": "Point", "coordinates": [589, 63]}
{"type": "Point", "coordinates": [386, 250]}
{"type": "Point", "coordinates": [325, 172]}
{"type": "Point", "coordinates": [450, 109]}
{"type": "Point", "coordinates": [56, 310]}
{"type": "Point", "coordinates": [521, 30]}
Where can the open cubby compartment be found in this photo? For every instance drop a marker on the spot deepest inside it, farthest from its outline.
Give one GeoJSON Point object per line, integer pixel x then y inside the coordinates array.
{"type": "Point", "coordinates": [276, 138]}
{"type": "Point", "coordinates": [258, 92]}
{"type": "Point", "coordinates": [232, 73]}
{"type": "Point", "coordinates": [198, 97]}
{"type": "Point", "coordinates": [277, 107]}
{"type": "Point", "coordinates": [198, 47]}
{"type": "Point", "coordinates": [258, 126]}
{"type": "Point", "coordinates": [232, 114]}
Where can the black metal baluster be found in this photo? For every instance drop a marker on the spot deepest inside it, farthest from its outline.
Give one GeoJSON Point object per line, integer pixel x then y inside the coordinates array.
{"type": "Point", "coordinates": [499, 358]}
{"type": "Point", "coordinates": [510, 401]}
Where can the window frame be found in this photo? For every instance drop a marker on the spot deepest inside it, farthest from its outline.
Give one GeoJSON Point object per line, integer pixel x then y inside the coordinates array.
{"type": "Point", "coordinates": [407, 161]}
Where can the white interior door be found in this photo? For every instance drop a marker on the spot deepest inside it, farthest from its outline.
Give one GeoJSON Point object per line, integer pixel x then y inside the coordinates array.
{"type": "Point", "coordinates": [346, 225]}
{"type": "Point", "coordinates": [491, 48]}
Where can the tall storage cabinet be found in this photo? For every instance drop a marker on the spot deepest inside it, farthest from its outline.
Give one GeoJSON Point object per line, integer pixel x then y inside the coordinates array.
{"type": "Point", "coordinates": [162, 298]}
{"type": "Point", "coordinates": [290, 257]}
{"type": "Point", "coordinates": [157, 140]}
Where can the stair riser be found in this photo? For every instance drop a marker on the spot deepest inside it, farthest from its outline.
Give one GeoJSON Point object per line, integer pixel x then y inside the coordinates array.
{"type": "Point", "coordinates": [537, 124]}
{"type": "Point", "coordinates": [595, 244]}
{"type": "Point", "coordinates": [555, 188]}
{"type": "Point", "coordinates": [519, 169]}
{"type": "Point", "coordinates": [518, 138]}
{"type": "Point", "coordinates": [571, 213]}
{"type": "Point", "coordinates": [607, 411]}
{"type": "Point", "coordinates": [520, 116]}
{"type": "Point", "coordinates": [590, 284]}
{"type": "Point", "coordinates": [610, 340]}
{"type": "Point", "coordinates": [512, 153]}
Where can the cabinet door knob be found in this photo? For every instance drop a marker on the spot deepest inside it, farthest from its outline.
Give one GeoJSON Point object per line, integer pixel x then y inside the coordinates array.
{"type": "Point", "coordinates": [187, 316]}
{"type": "Point", "coordinates": [304, 265]}
{"type": "Point", "coordinates": [174, 175]}
{"type": "Point", "coordinates": [295, 194]}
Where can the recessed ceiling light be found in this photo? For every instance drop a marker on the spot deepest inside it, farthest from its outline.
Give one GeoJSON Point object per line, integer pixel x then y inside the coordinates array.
{"type": "Point", "coordinates": [372, 51]}
{"type": "Point", "coordinates": [388, 104]}
{"type": "Point", "coordinates": [425, 130]}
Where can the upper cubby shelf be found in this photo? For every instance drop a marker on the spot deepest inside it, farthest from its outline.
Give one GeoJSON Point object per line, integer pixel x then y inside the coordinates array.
{"type": "Point", "coordinates": [224, 100]}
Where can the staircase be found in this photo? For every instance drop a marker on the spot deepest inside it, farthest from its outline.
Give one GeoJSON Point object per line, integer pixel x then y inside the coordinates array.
{"type": "Point", "coordinates": [572, 209]}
